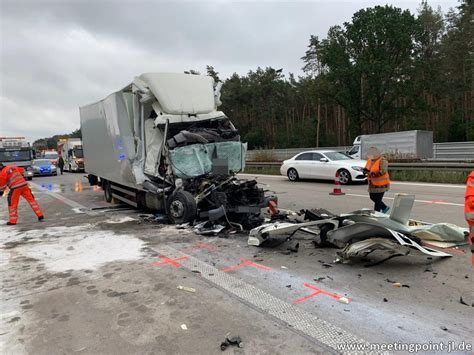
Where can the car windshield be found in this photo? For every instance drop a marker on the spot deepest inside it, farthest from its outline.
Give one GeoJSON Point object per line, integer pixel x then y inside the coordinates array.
{"type": "Point", "coordinates": [337, 156]}
{"type": "Point", "coordinates": [78, 153]}
{"type": "Point", "coordinates": [41, 162]}
{"type": "Point", "coordinates": [51, 155]}
{"type": "Point", "coordinates": [15, 155]}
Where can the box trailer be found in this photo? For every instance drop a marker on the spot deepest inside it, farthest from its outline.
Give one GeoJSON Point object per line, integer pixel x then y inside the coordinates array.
{"type": "Point", "coordinates": [161, 143]}
{"type": "Point", "coordinates": [409, 145]}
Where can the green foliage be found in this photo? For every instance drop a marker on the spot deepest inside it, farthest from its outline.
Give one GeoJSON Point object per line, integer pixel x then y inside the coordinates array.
{"type": "Point", "coordinates": [447, 177]}
{"type": "Point", "coordinates": [52, 142]}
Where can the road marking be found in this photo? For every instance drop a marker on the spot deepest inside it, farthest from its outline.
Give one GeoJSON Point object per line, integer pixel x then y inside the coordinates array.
{"type": "Point", "coordinates": [318, 291]}
{"type": "Point", "coordinates": [420, 201]}
{"type": "Point", "coordinates": [169, 261]}
{"type": "Point", "coordinates": [454, 186]}
{"type": "Point", "coordinates": [302, 322]}
{"type": "Point", "coordinates": [244, 263]}
{"type": "Point", "coordinates": [76, 207]}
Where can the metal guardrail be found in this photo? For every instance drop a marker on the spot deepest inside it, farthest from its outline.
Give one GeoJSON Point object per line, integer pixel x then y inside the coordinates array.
{"type": "Point", "coordinates": [445, 166]}
{"type": "Point", "coordinates": [452, 151]}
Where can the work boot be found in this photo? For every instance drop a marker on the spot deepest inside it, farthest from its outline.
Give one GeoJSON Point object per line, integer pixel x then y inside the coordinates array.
{"type": "Point", "coordinates": [40, 218]}
{"type": "Point", "coordinates": [11, 224]}
{"type": "Point", "coordinates": [386, 210]}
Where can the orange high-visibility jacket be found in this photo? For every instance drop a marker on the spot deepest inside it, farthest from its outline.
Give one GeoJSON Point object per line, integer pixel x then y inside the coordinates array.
{"type": "Point", "coordinates": [12, 176]}
{"type": "Point", "coordinates": [469, 199]}
{"type": "Point", "coordinates": [376, 178]}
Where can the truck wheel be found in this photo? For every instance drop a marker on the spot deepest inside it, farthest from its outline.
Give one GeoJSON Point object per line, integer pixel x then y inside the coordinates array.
{"type": "Point", "coordinates": [182, 207]}
{"type": "Point", "coordinates": [107, 191]}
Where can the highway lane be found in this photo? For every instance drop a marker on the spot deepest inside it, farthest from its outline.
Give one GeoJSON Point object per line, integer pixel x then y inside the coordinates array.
{"type": "Point", "coordinates": [434, 202]}
{"type": "Point", "coordinates": [86, 280]}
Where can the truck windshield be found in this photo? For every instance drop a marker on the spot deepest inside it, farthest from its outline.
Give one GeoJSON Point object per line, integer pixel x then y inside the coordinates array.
{"type": "Point", "coordinates": [354, 150]}
{"type": "Point", "coordinates": [78, 153]}
{"type": "Point", "coordinates": [50, 155]}
{"type": "Point", "coordinates": [15, 155]}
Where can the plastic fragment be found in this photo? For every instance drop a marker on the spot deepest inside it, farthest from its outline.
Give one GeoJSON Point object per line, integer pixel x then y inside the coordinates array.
{"type": "Point", "coordinates": [188, 289]}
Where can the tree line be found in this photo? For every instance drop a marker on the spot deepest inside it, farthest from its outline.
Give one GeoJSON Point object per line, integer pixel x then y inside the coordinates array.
{"type": "Point", "coordinates": [385, 70]}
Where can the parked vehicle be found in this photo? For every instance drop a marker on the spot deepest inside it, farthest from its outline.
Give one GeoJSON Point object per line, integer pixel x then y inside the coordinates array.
{"type": "Point", "coordinates": [323, 164]}
{"type": "Point", "coordinates": [400, 145]}
{"type": "Point", "coordinates": [43, 167]}
{"type": "Point", "coordinates": [72, 153]}
{"type": "Point", "coordinates": [161, 143]}
{"type": "Point", "coordinates": [17, 151]}
{"type": "Point", "coordinates": [51, 155]}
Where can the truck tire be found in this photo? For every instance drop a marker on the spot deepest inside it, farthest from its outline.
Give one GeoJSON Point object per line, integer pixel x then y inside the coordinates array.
{"type": "Point", "coordinates": [107, 191]}
{"type": "Point", "coordinates": [181, 207]}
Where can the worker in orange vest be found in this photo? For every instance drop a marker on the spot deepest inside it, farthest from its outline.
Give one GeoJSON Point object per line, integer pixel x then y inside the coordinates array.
{"type": "Point", "coordinates": [469, 211]}
{"type": "Point", "coordinates": [12, 177]}
{"type": "Point", "coordinates": [376, 169]}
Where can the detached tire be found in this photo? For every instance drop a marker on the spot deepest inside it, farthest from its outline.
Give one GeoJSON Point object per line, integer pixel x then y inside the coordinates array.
{"type": "Point", "coordinates": [181, 207]}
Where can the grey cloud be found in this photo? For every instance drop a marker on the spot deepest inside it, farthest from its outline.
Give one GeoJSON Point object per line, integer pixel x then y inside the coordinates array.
{"type": "Point", "coordinates": [59, 55]}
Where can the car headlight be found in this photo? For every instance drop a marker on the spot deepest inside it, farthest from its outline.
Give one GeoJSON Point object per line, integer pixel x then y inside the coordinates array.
{"type": "Point", "coordinates": [357, 168]}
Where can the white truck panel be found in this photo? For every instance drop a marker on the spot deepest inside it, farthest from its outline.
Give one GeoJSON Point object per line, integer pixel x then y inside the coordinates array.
{"type": "Point", "coordinates": [108, 140]}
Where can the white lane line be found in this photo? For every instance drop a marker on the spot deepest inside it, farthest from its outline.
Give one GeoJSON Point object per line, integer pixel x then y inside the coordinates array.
{"type": "Point", "coordinates": [76, 207]}
{"type": "Point", "coordinates": [420, 201]}
{"type": "Point", "coordinates": [416, 184]}
{"type": "Point", "coordinates": [322, 332]}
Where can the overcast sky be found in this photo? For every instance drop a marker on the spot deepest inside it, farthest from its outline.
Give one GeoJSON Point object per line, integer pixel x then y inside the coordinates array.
{"type": "Point", "coordinates": [58, 55]}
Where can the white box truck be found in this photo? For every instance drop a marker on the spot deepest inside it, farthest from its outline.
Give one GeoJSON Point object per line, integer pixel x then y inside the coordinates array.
{"type": "Point", "coordinates": [161, 143]}
{"type": "Point", "coordinates": [405, 145]}
{"type": "Point", "coordinates": [72, 154]}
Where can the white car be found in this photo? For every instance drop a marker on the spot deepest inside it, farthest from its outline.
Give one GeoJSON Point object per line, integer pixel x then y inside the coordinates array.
{"type": "Point", "coordinates": [323, 164]}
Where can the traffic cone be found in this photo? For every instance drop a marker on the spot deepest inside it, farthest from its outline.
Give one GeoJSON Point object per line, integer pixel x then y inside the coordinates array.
{"type": "Point", "coordinates": [337, 187]}
{"type": "Point", "coordinates": [273, 208]}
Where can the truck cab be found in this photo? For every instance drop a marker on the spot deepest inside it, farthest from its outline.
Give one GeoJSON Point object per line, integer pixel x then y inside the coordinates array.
{"type": "Point", "coordinates": [355, 151]}
{"type": "Point", "coordinates": [160, 142]}
{"type": "Point", "coordinates": [17, 151]}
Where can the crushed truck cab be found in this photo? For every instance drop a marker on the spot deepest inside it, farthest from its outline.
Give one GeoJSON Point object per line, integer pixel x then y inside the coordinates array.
{"type": "Point", "coordinates": [161, 143]}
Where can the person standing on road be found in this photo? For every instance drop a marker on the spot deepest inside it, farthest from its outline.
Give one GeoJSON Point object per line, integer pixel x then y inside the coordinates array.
{"type": "Point", "coordinates": [12, 177]}
{"type": "Point", "coordinates": [376, 169]}
{"type": "Point", "coordinates": [469, 211]}
{"type": "Point", "coordinates": [61, 164]}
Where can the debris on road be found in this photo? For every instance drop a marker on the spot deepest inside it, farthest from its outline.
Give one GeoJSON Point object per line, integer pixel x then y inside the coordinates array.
{"type": "Point", "coordinates": [344, 300]}
{"type": "Point", "coordinates": [462, 301]}
{"type": "Point", "coordinates": [235, 340]}
{"type": "Point", "coordinates": [188, 289]}
{"type": "Point", "coordinates": [184, 327]}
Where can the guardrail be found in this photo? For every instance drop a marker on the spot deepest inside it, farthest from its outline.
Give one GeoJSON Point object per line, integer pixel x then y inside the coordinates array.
{"type": "Point", "coordinates": [452, 151]}
{"type": "Point", "coordinates": [446, 166]}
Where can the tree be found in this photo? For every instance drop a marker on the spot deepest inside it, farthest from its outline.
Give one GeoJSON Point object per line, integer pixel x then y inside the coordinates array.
{"type": "Point", "coordinates": [368, 63]}
{"type": "Point", "coordinates": [212, 73]}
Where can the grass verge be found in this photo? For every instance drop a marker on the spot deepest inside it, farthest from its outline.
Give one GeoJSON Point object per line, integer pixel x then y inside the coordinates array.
{"type": "Point", "coordinates": [436, 176]}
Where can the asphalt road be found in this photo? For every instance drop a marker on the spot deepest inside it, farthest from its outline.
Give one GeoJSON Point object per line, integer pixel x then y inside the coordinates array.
{"type": "Point", "coordinates": [99, 279]}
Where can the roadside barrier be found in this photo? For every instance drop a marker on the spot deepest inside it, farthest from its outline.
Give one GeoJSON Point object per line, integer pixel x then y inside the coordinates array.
{"type": "Point", "coordinates": [337, 187]}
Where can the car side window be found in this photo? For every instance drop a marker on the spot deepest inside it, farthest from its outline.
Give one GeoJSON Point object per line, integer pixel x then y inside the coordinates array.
{"type": "Point", "coordinates": [304, 156]}
{"type": "Point", "coordinates": [317, 156]}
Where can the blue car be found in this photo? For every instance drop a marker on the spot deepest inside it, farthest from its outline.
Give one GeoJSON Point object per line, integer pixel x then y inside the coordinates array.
{"type": "Point", "coordinates": [43, 167]}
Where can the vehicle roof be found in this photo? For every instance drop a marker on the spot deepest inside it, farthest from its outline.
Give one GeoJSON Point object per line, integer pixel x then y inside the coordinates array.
{"type": "Point", "coordinates": [319, 151]}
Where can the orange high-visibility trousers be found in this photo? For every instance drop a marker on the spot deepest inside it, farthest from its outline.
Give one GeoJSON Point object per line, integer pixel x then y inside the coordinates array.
{"type": "Point", "coordinates": [14, 198]}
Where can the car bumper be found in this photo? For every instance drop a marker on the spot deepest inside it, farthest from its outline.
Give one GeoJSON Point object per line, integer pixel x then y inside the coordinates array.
{"type": "Point", "coordinates": [358, 176]}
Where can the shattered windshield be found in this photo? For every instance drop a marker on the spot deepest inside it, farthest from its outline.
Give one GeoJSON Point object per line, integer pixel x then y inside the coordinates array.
{"type": "Point", "coordinates": [337, 156]}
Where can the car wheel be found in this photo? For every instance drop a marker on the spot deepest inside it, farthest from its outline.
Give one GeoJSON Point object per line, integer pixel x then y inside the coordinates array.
{"type": "Point", "coordinates": [292, 174]}
{"type": "Point", "coordinates": [181, 207]}
{"type": "Point", "coordinates": [344, 177]}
